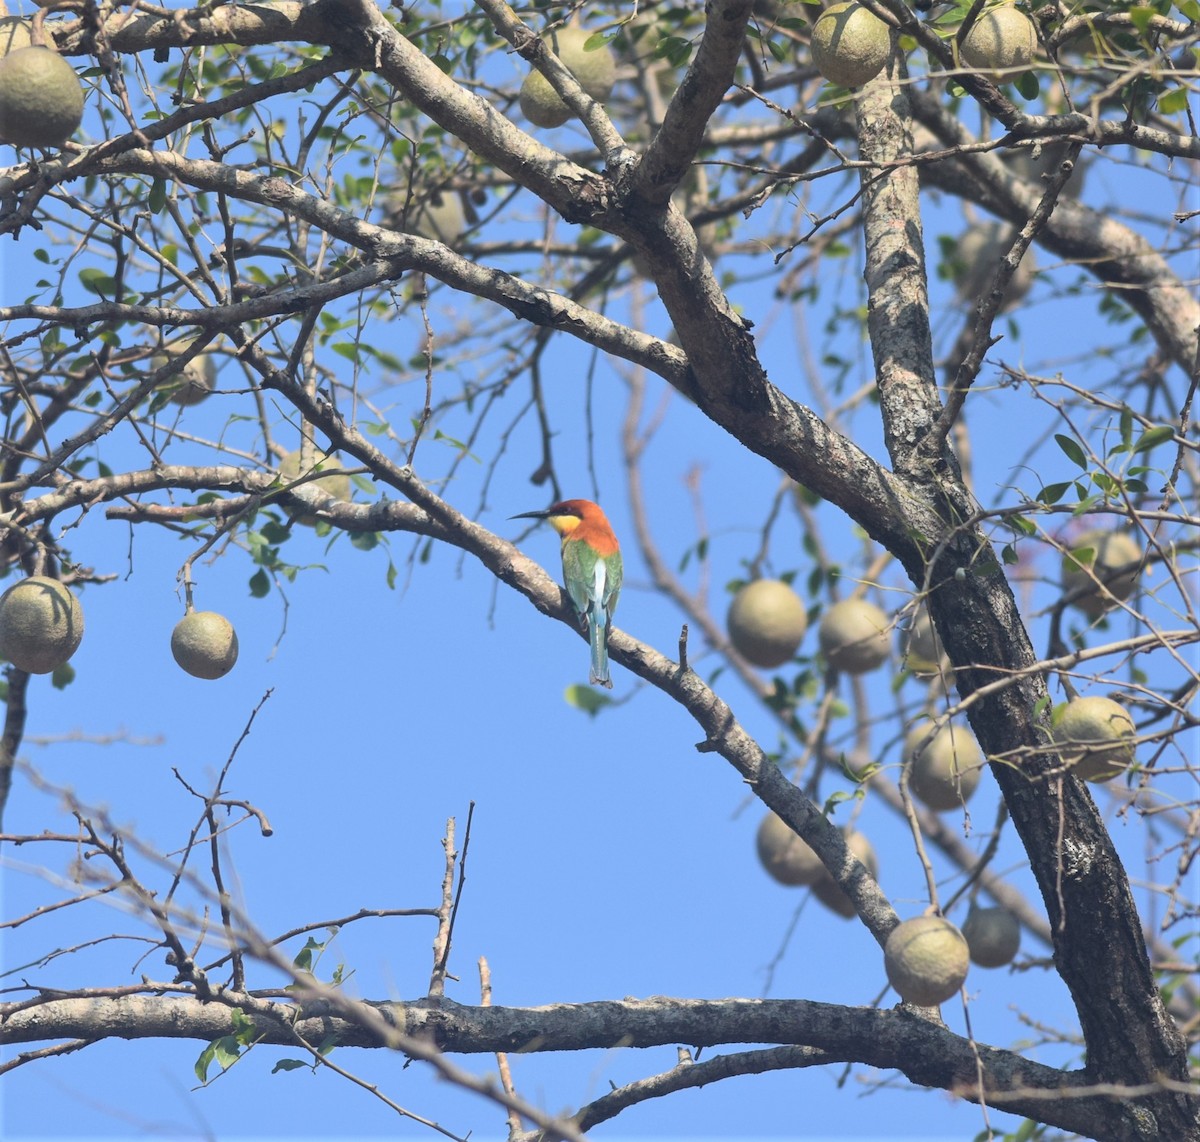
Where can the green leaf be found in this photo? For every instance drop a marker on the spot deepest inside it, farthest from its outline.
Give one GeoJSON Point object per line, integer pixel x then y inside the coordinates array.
{"type": "Point", "coordinates": [1072, 449]}
{"type": "Point", "coordinates": [228, 1050]}
{"type": "Point", "coordinates": [1052, 493]}
{"type": "Point", "coordinates": [158, 196]}
{"type": "Point", "coordinates": [364, 540]}
{"type": "Point", "coordinates": [1152, 437]}
{"type": "Point", "coordinates": [243, 1026]}
{"type": "Point", "coordinates": [1027, 84]}
{"type": "Point", "coordinates": [274, 532]}
{"type": "Point", "coordinates": [289, 1065]}
{"type": "Point", "coordinates": [260, 584]}
{"type": "Point", "coordinates": [836, 798]}
{"type": "Point", "coordinates": [98, 282]}
{"type": "Point", "coordinates": [1009, 554]}
{"type": "Point", "coordinates": [1140, 17]}
{"type": "Point", "coordinates": [1173, 101]}
{"type": "Point", "coordinates": [586, 698]}
{"type": "Point", "coordinates": [674, 49]}
{"type": "Point", "coordinates": [1126, 426]}
{"type": "Point", "coordinates": [205, 1061]}
{"type": "Point", "coordinates": [63, 676]}
{"type": "Point", "coordinates": [304, 957]}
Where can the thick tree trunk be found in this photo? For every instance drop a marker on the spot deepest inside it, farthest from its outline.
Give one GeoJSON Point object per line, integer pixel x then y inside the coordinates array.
{"type": "Point", "coordinates": [1099, 947]}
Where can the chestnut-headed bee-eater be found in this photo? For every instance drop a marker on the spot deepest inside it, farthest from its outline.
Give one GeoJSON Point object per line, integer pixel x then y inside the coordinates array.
{"type": "Point", "coordinates": [592, 571]}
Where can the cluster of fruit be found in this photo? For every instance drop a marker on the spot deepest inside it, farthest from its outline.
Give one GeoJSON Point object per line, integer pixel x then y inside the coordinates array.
{"type": "Point", "coordinates": [850, 44]}
{"type": "Point", "coordinates": [41, 98]}
{"type": "Point", "coordinates": [41, 627]}
{"type": "Point", "coordinates": [926, 958]}
{"type": "Point", "coordinates": [767, 622]}
{"type": "Point", "coordinates": [41, 622]}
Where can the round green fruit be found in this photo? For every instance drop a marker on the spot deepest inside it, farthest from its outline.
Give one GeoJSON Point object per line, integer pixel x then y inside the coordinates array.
{"type": "Point", "coordinates": [41, 99]}
{"type": "Point", "coordinates": [921, 648]}
{"type": "Point", "coordinates": [1095, 737]}
{"type": "Point", "coordinates": [786, 857]}
{"type": "Point", "coordinates": [766, 622]}
{"type": "Point", "coordinates": [1092, 565]}
{"type": "Point", "coordinates": [826, 889]}
{"type": "Point", "coordinates": [595, 70]}
{"type": "Point", "coordinates": [993, 936]}
{"type": "Point", "coordinates": [41, 624]}
{"type": "Point", "coordinates": [1001, 39]}
{"type": "Point", "coordinates": [14, 34]}
{"type": "Point", "coordinates": [336, 485]}
{"type": "Point", "coordinates": [441, 218]}
{"type": "Point", "coordinates": [205, 644]}
{"type": "Point", "coordinates": [926, 960]}
{"type": "Point", "coordinates": [191, 383]}
{"type": "Point", "coordinates": [1035, 164]}
{"type": "Point", "coordinates": [978, 257]}
{"type": "Point", "coordinates": [850, 44]}
{"type": "Point", "coordinates": [854, 636]}
{"type": "Point", "coordinates": [945, 769]}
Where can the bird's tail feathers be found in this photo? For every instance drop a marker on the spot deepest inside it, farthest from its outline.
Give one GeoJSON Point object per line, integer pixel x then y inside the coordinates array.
{"type": "Point", "coordinates": [598, 637]}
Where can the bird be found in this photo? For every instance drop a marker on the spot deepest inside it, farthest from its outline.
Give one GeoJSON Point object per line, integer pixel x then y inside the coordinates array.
{"type": "Point", "coordinates": [592, 571]}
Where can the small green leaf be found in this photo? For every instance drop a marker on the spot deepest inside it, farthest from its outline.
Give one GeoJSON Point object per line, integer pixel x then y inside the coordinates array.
{"type": "Point", "coordinates": [243, 1026]}
{"type": "Point", "coordinates": [1027, 84]}
{"type": "Point", "coordinates": [1140, 17]}
{"type": "Point", "coordinates": [1072, 449]}
{"type": "Point", "coordinates": [1173, 101]}
{"type": "Point", "coordinates": [836, 798]}
{"type": "Point", "coordinates": [1152, 437]}
{"type": "Point", "coordinates": [97, 282]}
{"type": "Point", "coordinates": [260, 584]}
{"type": "Point", "coordinates": [586, 698]}
{"type": "Point", "coordinates": [1009, 554]}
{"type": "Point", "coordinates": [289, 1065]}
{"type": "Point", "coordinates": [63, 676]}
{"type": "Point", "coordinates": [274, 532]}
{"type": "Point", "coordinates": [158, 196]}
{"type": "Point", "coordinates": [1052, 493]}
{"type": "Point", "coordinates": [228, 1050]}
{"type": "Point", "coordinates": [674, 49]}
{"type": "Point", "coordinates": [205, 1061]}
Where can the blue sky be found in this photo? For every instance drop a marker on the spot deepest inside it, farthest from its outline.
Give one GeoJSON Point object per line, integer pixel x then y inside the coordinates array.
{"type": "Point", "coordinates": [607, 856]}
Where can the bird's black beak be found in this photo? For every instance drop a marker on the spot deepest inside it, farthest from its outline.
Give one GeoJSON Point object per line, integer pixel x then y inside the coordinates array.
{"type": "Point", "coordinates": [531, 515]}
